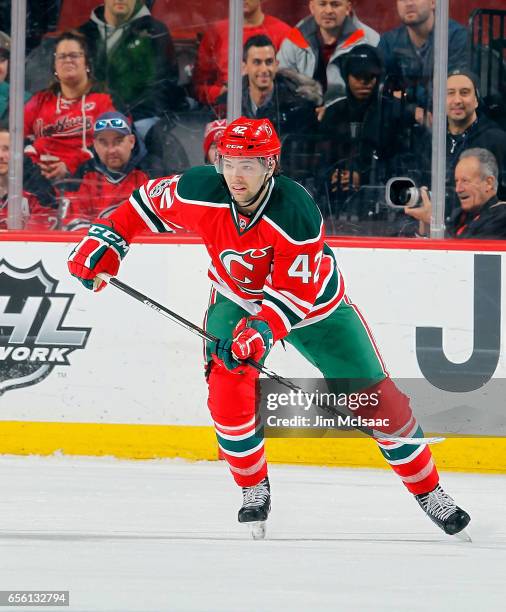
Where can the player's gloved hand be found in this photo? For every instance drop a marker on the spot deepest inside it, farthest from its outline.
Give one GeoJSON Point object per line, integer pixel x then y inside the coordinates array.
{"type": "Point", "coordinates": [253, 338]}
{"type": "Point", "coordinates": [100, 251]}
{"type": "Point", "coordinates": [222, 354]}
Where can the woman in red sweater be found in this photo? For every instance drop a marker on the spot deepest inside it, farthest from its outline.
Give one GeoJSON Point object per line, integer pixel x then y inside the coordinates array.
{"type": "Point", "coordinates": [59, 120]}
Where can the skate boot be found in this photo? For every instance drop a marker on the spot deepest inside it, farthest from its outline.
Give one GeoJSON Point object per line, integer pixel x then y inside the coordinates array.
{"type": "Point", "coordinates": [443, 511]}
{"type": "Point", "coordinates": [256, 505]}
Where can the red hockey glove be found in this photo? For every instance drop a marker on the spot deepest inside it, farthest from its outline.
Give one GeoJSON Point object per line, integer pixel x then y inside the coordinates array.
{"type": "Point", "coordinates": [100, 251]}
{"type": "Point", "coordinates": [251, 338]}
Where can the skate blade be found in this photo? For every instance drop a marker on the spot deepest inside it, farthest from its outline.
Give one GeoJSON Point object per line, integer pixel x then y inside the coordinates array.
{"type": "Point", "coordinates": [257, 529]}
{"type": "Point", "coordinates": [463, 536]}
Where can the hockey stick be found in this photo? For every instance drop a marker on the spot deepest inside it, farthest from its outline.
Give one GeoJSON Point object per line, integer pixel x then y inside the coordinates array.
{"type": "Point", "coordinates": [173, 316]}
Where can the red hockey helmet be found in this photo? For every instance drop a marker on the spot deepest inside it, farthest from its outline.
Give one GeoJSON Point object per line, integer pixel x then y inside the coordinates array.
{"type": "Point", "coordinates": [249, 138]}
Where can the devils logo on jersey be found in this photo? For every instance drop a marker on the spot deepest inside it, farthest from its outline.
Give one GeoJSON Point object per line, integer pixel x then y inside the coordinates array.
{"type": "Point", "coordinates": [249, 269]}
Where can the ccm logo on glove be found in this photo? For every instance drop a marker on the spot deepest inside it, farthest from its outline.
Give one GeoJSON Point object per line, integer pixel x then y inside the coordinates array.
{"type": "Point", "coordinates": [100, 251]}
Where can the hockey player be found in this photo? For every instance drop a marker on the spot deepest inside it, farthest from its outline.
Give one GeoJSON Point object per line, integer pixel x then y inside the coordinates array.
{"type": "Point", "coordinates": [273, 278]}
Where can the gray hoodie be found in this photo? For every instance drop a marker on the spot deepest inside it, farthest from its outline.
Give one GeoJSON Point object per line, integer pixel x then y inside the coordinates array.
{"type": "Point", "coordinates": [300, 51]}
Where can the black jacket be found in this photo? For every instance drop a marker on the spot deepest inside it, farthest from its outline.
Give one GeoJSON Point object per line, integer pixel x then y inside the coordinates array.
{"type": "Point", "coordinates": [483, 133]}
{"type": "Point", "coordinates": [140, 68]}
{"type": "Point", "coordinates": [289, 111]}
{"type": "Point", "coordinates": [411, 69]}
{"type": "Point", "coordinates": [488, 223]}
{"type": "Point", "coordinates": [370, 137]}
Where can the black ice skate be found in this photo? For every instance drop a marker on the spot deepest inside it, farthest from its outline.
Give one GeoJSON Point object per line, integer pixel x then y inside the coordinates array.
{"type": "Point", "coordinates": [443, 511]}
{"type": "Point", "coordinates": [256, 505]}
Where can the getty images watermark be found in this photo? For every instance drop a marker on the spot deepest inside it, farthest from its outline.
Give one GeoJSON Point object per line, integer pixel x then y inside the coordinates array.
{"type": "Point", "coordinates": [313, 411]}
{"type": "Point", "coordinates": [337, 407]}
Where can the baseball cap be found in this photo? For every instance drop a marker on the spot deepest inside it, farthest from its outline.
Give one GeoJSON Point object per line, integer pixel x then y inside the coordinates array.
{"type": "Point", "coordinates": [362, 59]}
{"type": "Point", "coordinates": [214, 131]}
{"type": "Point", "coordinates": [114, 121]}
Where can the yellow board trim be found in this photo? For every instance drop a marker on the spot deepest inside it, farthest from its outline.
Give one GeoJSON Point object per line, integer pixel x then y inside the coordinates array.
{"type": "Point", "coordinates": [486, 454]}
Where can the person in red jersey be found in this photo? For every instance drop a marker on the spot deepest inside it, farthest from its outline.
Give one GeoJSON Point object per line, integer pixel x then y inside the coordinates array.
{"type": "Point", "coordinates": [59, 120]}
{"type": "Point", "coordinates": [35, 216]}
{"type": "Point", "coordinates": [273, 278]}
{"type": "Point", "coordinates": [211, 70]}
{"type": "Point", "coordinates": [212, 134]}
{"type": "Point", "coordinates": [119, 165]}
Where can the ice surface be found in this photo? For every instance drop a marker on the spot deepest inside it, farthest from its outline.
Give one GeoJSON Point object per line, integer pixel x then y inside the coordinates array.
{"type": "Point", "coordinates": [163, 536]}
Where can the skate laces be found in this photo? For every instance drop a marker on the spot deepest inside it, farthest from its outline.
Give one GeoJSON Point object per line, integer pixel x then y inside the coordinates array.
{"type": "Point", "coordinates": [256, 495]}
{"type": "Point", "coordinates": [438, 503]}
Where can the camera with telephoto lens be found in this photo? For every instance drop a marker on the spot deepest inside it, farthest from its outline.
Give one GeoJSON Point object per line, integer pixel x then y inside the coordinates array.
{"type": "Point", "coordinates": [401, 191]}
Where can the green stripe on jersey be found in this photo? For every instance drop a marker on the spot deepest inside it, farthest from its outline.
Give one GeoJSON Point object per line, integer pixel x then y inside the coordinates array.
{"type": "Point", "coordinates": [332, 287]}
{"type": "Point", "coordinates": [404, 451]}
{"type": "Point", "coordinates": [286, 310]}
{"type": "Point", "coordinates": [241, 446]}
{"type": "Point", "coordinates": [148, 212]}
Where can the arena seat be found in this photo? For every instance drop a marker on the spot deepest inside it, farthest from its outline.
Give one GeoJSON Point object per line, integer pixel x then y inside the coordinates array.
{"type": "Point", "coordinates": [488, 59]}
{"type": "Point", "coordinates": [73, 14]}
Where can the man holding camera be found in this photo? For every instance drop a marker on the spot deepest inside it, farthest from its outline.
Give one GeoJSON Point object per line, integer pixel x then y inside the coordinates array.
{"type": "Point", "coordinates": [481, 214]}
{"type": "Point", "coordinates": [468, 128]}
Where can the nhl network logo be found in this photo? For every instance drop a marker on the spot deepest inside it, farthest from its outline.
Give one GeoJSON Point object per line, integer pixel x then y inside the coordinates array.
{"type": "Point", "coordinates": [32, 339]}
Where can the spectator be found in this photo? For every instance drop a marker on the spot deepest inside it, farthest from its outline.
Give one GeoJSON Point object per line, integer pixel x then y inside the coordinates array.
{"type": "Point", "coordinates": [213, 132]}
{"type": "Point", "coordinates": [408, 51]}
{"type": "Point", "coordinates": [134, 54]}
{"type": "Point", "coordinates": [120, 164]}
{"type": "Point", "coordinates": [35, 215]}
{"type": "Point", "coordinates": [5, 46]}
{"type": "Point", "coordinates": [316, 43]}
{"type": "Point", "coordinates": [287, 98]}
{"type": "Point", "coordinates": [363, 137]}
{"type": "Point", "coordinates": [480, 214]}
{"type": "Point", "coordinates": [59, 120]}
{"type": "Point", "coordinates": [211, 69]}
{"type": "Point", "coordinates": [467, 128]}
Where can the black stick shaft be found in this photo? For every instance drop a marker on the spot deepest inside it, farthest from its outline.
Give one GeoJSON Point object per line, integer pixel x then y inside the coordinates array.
{"type": "Point", "coordinates": [202, 333]}
{"type": "Point", "coordinates": [170, 314]}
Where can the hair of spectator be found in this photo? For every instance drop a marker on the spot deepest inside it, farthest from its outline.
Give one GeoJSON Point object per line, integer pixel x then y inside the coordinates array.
{"type": "Point", "coordinates": [259, 40]}
{"type": "Point", "coordinates": [487, 161]}
{"type": "Point", "coordinates": [80, 39]}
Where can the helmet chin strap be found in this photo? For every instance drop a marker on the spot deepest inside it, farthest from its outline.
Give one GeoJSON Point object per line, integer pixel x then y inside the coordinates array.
{"type": "Point", "coordinates": [252, 200]}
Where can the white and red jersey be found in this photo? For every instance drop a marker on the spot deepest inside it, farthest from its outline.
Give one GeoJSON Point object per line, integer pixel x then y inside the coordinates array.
{"type": "Point", "coordinates": [63, 128]}
{"type": "Point", "coordinates": [35, 216]}
{"type": "Point", "coordinates": [275, 264]}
